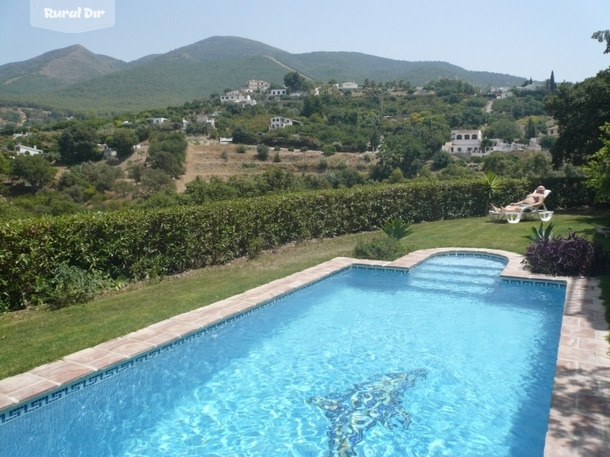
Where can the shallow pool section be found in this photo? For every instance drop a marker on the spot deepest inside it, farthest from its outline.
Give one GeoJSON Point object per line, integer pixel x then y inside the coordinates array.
{"type": "Point", "coordinates": [447, 359]}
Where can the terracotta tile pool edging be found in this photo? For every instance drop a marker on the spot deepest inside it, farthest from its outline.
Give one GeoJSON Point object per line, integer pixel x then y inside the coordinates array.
{"type": "Point", "coordinates": [579, 422]}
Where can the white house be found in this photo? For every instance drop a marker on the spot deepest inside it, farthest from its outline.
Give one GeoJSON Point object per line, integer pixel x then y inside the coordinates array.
{"type": "Point", "coordinates": [534, 146]}
{"type": "Point", "coordinates": [277, 92]}
{"type": "Point", "coordinates": [281, 122]}
{"type": "Point", "coordinates": [501, 92]}
{"type": "Point", "coordinates": [236, 97]}
{"type": "Point", "coordinates": [107, 151]}
{"type": "Point", "coordinates": [552, 129]}
{"type": "Point", "coordinates": [205, 118]}
{"type": "Point", "coordinates": [348, 86]}
{"type": "Point", "coordinates": [256, 84]}
{"type": "Point", "coordinates": [463, 141]}
{"type": "Point", "coordinates": [21, 149]}
{"type": "Point", "coordinates": [156, 120]}
{"type": "Point", "coordinates": [529, 87]}
{"type": "Point", "coordinates": [500, 146]}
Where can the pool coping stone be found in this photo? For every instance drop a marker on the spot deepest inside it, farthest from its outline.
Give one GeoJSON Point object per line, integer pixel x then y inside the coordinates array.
{"type": "Point", "coordinates": [579, 420]}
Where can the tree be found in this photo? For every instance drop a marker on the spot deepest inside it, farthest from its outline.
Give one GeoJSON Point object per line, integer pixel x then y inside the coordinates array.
{"type": "Point", "coordinates": [580, 110]}
{"type": "Point", "coordinates": [505, 129]}
{"type": "Point", "coordinates": [598, 168]}
{"type": "Point", "coordinates": [400, 151]}
{"type": "Point", "coordinates": [440, 160]}
{"type": "Point", "coordinates": [262, 152]}
{"type": "Point", "coordinates": [122, 141]}
{"type": "Point", "coordinates": [552, 84]}
{"type": "Point", "coordinates": [312, 105]}
{"type": "Point", "coordinates": [530, 129]}
{"type": "Point", "coordinates": [5, 165]}
{"type": "Point", "coordinates": [294, 81]}
{"type": "Point", "coordinates": [601, 36]}
{"type": "Point", "coordinates": [241, 135]}
{"type": "Point", "coordinates": [34, 169]}
{"type": "Point", "coordinates": [499, 163]}
{"type": "Point", "coordinates": [155, 180]}
{"type": "Point", "coordinates": [78, 143]}
{"type": "Point", "coordinates": [135, 172]}
{"type": "Point", "coordinates": [166, 161]}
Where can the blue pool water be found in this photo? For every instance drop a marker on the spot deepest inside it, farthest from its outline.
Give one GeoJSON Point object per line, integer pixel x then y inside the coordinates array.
{"type": "Point", "coordinates": [446, 360]}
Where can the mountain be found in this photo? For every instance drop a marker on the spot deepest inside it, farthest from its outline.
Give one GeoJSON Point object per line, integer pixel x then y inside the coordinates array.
{"type": "Point", "coordinates": [160, 84]}
{"type": "Point", "coordinates": [142, 60]}
{"type": "Point", "coordinates": [55, 69]}
{"type": "Point", "coordinates": [75, 78]}
{"type": "Point", "coordinates": [219, 48]}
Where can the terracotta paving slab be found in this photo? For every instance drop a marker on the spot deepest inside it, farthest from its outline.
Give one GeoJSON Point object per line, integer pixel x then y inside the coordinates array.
{"type": "Point", "coordinates": [579, 420]}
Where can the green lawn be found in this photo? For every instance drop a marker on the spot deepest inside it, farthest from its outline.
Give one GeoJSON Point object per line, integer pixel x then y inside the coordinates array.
{"type": "Point", "coordinates": [31, 338]}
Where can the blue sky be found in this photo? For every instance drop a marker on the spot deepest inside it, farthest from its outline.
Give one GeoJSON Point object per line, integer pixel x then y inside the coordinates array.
{"type": "Point", "coordinates": [524, 38]}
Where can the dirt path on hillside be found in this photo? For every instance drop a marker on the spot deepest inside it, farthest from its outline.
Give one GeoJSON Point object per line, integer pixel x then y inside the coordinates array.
{"type": "Point", "coordinates": [287, 67]}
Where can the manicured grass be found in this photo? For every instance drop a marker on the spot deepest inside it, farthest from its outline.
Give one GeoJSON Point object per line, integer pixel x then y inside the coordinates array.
{"type": "Point", "coordinates": [29, 339]}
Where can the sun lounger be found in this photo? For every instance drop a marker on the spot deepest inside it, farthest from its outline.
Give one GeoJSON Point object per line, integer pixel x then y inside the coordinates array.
{"type": "Point", "coordinates": [527, 212]}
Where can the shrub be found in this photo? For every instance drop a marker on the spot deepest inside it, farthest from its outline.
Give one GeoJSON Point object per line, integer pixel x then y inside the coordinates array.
{"type": "Point", "coordinates": [138, 243]}
{"type": "Point", "coordinates": [70, 285]}
{"type": "Point", "coordinates": [262, 152]}
{"type": "Point", "coordinates": [570, 256]}
{"type": "Point", "coordinates": [241, 148]}
{"type": "Point", "coordinates": [328, 150]}
{"type": "Point", "coordinates": [304, 149]}
{"type": "Point", "coordinates": [385, 248]}
{"type": "Point", "coordinates": [255, 247]}
{"type": "Point", "coordinates": [277, 158]}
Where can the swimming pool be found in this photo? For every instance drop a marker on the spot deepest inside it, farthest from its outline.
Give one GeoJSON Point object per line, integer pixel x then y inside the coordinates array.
{"type": "Point", "coordinates": [445, 360]}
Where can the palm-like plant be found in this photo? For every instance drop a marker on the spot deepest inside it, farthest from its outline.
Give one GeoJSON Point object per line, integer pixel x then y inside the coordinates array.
{"type": "Point", "coordinates": [492, 183]}
{"type": "Point", "coordinates": [396, 229]}
{"type": "Point", "coordinates": [542, 233]}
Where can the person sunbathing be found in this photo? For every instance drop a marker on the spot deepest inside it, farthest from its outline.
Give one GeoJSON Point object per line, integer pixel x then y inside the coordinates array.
{"type": "Point", "coordinates": [536, 199]}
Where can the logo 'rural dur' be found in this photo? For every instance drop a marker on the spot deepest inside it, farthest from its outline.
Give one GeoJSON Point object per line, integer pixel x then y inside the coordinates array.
{"type": "Point", "coordinates": [72, 16]}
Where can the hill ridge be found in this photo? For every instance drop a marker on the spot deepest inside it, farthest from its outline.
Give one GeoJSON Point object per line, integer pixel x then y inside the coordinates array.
{"type": "Point", "coordinates": [75, 78]}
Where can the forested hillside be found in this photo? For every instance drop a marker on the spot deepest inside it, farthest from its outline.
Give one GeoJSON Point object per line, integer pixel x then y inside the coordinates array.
{"type": "Point", "coordinates": [73, 78]}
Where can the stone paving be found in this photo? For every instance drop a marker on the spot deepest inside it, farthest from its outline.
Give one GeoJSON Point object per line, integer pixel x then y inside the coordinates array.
{"type": "Point", "coordinates": [579, 424]}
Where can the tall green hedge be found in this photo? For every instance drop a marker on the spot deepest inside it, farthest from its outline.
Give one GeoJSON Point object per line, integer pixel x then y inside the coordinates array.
{"type": "Point", "coordinates": [134, 244]}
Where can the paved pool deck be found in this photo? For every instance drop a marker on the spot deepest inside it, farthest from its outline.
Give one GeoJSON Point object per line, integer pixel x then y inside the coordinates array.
{"type": "Point", "coordinates": [579, 423]}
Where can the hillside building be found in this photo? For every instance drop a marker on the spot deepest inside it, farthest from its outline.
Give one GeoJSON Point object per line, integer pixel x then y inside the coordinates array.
{"type": "Point", "coordinates": [256, 85]}
{"type": "Point", "coordinates": [107, 152]}
{"type": "Point", "coordinates": [277, 92]}
{"type": "Point", "coordinates": [156, 120]}
{"type": "Point", "coordinates": [236, 97]}
{"type": "Point", "coordinates": [204, 118]}
{"type": "Point", "coordinates": [464, 141]}
{"type": "Point", "coordinates": [27, 150]}
{"type": "Point", "coordinates": [348, 86]}
{"type": "Point", "coordinates": [281, 122]}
